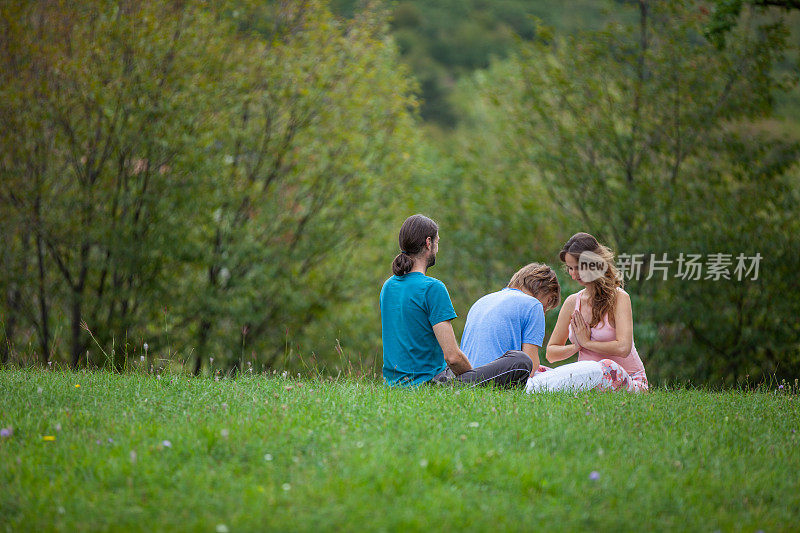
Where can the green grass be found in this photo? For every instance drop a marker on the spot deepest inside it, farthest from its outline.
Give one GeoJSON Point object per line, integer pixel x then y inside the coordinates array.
{"type": "Point", "coordinates": [355, 455]}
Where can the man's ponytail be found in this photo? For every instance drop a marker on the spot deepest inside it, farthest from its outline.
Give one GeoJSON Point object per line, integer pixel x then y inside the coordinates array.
{"type": "Point", "coordinates": [402, 264]}
{"type": "Point", "coordinates": [413, 236]}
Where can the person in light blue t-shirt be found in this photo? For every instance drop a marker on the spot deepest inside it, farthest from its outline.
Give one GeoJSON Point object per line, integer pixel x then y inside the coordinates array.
{"type": "Point", "coordinates": [512, 318]}
{"type": "Point", "coordinates": [419, 345]}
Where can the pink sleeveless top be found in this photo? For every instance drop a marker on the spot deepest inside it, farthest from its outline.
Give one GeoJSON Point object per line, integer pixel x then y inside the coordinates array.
{"type": "Point", "coordinates": [604, 332]}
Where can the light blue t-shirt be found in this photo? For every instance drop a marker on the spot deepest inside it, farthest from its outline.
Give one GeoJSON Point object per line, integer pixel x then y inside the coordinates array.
{"type": "Point", "coordinates": [410, 306]}
{"type": "Point", "coordinates": [499, 322]}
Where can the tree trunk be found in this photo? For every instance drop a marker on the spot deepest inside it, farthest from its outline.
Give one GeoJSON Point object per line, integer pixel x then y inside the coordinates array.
{"type": "Point", "coordinates": [44, 329]}
{"type": "Point", "coordinates": [12, 304]}
{"type": "Point", "coordinates": [75, 327]}
{"type": "Point", "coordinates": [205, 327]}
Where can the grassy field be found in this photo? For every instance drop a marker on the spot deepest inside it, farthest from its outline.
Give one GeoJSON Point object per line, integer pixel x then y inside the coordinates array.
{"type": "Point", "coordinates": [102, 451]}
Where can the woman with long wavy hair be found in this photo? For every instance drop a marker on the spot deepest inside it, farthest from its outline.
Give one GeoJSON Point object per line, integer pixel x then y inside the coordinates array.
{"type": "Point", "coordinates": [598, 321]}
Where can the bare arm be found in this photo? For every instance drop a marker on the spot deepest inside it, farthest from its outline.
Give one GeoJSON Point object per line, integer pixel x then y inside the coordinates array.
{"type": "Point", "coordinates": [623, 321]}
{"type": "Point", "coordinates": [455, 358]}
{"type": "Point", "coordinates": [532, 351]}
{"type": "Point", "coordinates": [557, 348]}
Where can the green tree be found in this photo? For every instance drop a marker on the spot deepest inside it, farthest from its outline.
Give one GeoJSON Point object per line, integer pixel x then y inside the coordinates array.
{"type": "Point", "coordinates": [191, 175]}
{"type": "Point", "coordinates": [101, 101]}
{"type": "Point", "coordinates": [314, 145]}
{"type": "Point", "coordinates": [637, 134]}
{"type": "Point", "coordinates": [726, 15]}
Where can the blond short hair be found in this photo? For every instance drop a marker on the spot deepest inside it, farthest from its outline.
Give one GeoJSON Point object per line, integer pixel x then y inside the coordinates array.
{"type": "Point", "coordinates": [540, 281]}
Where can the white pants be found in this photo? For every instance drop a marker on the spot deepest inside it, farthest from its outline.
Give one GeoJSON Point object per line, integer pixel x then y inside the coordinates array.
{"type": "Point", "coordinates": [586, 375]}
{"type": "Point", "coordinates": [582, 375]}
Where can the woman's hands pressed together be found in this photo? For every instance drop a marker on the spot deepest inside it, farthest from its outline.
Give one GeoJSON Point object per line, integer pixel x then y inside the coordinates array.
{"type": "Point", "coordinates": [581, 329]}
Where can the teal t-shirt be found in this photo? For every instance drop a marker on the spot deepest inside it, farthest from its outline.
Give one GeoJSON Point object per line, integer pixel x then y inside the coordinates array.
{"type": "Point", "coordinates": [410, 306]}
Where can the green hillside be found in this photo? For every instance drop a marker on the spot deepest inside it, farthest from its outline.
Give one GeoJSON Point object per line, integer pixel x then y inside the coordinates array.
{"type": "Point", "coordinates": [444, 40]}
{"type": "Point", "coordinates": [100, 451]}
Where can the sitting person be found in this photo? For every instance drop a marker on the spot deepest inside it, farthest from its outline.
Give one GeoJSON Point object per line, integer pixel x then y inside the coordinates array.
{"type": "Point", "coordinates": [419, 345]}
{"type": "Point", "coordinates": [512, 318]}
{"type": "Point", "coordinates": [598, 321]}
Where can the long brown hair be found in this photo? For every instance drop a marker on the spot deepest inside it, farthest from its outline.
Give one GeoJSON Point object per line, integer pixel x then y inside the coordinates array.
{"type": "Point", "coordinates": [414, 234]}
{"type": "Point", "coordinates": [604, 289]}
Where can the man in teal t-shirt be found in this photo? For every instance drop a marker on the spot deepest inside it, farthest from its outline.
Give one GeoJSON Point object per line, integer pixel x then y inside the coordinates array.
{"type": "Point", "coordinates": [419, 344]}
{"type": "Point", "coordinates": [410, 305]}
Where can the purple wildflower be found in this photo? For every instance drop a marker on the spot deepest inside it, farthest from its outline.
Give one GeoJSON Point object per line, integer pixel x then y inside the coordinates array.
{"type": "Point", "coordinates": [595, 475]}
{"type": "Point", "coordinates": [6, 432]}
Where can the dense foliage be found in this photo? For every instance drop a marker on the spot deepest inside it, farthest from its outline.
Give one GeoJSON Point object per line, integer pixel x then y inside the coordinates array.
{"type": "Point", "coordinates": [170, 175]}
{"type": "Point", "coordinates": [198, 180]}
{"type": "Point", "coordinates": [643, 135]}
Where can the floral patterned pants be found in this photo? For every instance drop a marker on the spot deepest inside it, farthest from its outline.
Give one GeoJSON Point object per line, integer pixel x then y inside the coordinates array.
{"type": "Point", "coordinates": [617, 378]}
{"type": "Point", "coordinates": [603, 375]}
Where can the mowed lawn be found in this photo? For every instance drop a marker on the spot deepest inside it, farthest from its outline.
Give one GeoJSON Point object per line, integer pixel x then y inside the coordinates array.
{"type": "Point", "coordinates": [103, 451]}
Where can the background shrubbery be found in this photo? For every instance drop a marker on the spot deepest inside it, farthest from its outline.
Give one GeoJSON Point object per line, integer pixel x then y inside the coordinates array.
{"type": "Point", "coordinates": [226, 179]}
